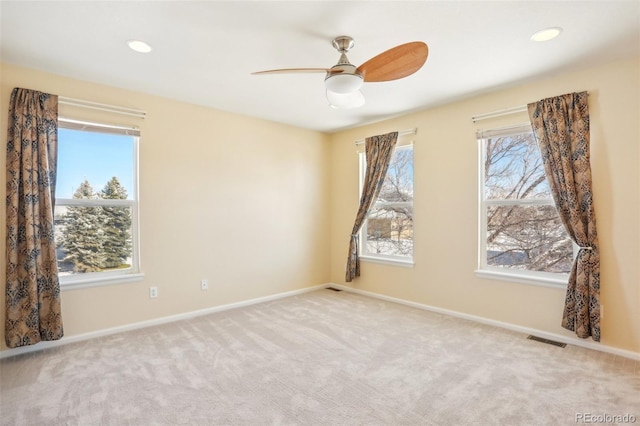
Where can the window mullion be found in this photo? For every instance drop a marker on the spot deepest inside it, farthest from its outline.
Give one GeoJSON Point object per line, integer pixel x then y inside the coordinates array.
{"type": "Point", "coordinates": [520, 202]}
{"type": "Point", "coordinates": [388, 204]}
{"type": "Point", "coordinates": [94, 202]}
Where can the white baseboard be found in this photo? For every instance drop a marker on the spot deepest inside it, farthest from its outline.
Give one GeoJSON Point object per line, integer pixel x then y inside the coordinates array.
{"type": "Point", "coordinates": [513, 327]}
{"type": "Point", "coordinates": [150, 323]}
{"type": "Point", "coordinates": [158, 321]}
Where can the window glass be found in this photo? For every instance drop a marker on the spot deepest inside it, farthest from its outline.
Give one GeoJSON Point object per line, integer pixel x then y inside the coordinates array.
{"type": "Point", "coordinates": [514, 169]}
{"type": "Point", "coordinates": [527, 237]}
{"type": "Point", "coordinates": [388, 230]}
{"type": "Point", "coordinates": [521, 231]}
{"type": "Point", "coordinates": [96, 204]}
{"type": "Point", "coordinates": [93, 156]}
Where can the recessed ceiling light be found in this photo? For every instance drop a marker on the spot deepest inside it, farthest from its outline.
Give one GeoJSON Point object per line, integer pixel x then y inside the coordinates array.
{"type": "Point", "coordinates": [139, 46]}
{"type": "Point", "coordinates": [546, 34]}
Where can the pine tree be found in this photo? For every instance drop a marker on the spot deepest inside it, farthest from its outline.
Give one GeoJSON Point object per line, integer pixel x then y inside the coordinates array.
{"type": "Point", "coordinates": [83, 235]}
{"type": "Point", "coordinates": [116, 226]}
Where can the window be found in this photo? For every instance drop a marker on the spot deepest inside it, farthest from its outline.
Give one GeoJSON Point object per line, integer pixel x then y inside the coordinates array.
{"type": "Point", "coordinates": [521, 234]}
{"type": "Point", "coordinates": [387, 233]}
{"type": "Point", "coordinates": [96, 210]}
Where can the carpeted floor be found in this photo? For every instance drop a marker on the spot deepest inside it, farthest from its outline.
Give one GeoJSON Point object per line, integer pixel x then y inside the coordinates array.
{"type": "Point", "coordinates": [321, 358]}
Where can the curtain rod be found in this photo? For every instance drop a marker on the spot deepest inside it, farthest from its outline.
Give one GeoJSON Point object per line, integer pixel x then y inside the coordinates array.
{"type": "Point", "coordinates": [501, 130]}
{"type": "Point", "coordinates": [101, 107]}
{"type": "Point", "coordinates": [499, 113]}
{"type": "Point", "coordinates": [89, 124]}
{"type": "Point", "coordinates": [402, 133]}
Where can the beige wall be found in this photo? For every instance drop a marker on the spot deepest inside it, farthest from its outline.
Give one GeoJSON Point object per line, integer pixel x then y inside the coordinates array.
{"type": "Point", "coordinates": [446, 197]}
{"type": "Point", "coordinates": [240, 201]}
{"type": "Point", "coordinates": [202, 171]}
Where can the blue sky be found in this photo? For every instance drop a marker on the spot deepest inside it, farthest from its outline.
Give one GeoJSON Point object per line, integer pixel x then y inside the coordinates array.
{"type": "Point", "coordinates": [96, 157]}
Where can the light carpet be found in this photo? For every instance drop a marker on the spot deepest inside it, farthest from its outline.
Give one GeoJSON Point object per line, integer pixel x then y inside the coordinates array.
{"type": "Point", "coordinates": [320, 358]}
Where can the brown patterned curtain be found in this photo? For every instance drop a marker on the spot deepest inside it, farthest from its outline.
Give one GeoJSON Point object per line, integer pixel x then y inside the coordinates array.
{"type": "Point", "coordinates": [378, 151]}
{"type": "Point", "coordinates": [33, 289]}
{"type": "Point", "coordinates": [561, 126]}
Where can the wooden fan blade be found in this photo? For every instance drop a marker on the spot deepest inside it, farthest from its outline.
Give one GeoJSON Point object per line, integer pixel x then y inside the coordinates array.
{"type": "Point", "coordinates": [296, 70]}
{"type": "Point", "coordinates": [398, 62]}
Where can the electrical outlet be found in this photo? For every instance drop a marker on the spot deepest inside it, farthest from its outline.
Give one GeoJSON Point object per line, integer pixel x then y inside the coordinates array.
{"type": "Point", "coordinates": [204, 285]}
{"type": "Point", "coordinates": [153, 292]}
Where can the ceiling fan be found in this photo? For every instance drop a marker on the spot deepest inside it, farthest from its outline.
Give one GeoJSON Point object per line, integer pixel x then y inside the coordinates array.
{"type": "Point", "coordinates": [344, 80]}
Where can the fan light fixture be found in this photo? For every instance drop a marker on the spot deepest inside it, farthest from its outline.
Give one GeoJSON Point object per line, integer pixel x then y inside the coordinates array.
{"type": "Point", "coordinates": [343, 83]}
{"type": "Point", "coordinates": [345, 100]}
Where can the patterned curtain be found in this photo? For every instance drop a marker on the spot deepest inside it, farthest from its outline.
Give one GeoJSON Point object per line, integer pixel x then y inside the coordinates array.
{"type": "Point", "coordinates": [378, 151]}
{"type": "Point", "coordinates": [561, 126]}
{"type": "Point", "coordinates": [33, 289]}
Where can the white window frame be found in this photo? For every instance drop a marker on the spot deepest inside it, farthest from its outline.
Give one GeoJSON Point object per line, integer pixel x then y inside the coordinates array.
{"type": "Point", "coordinates": [550, 279]}
{"type": "Point", "coordinates": [406, 261]}
{"type": "Point", "coordinates": [119, 276]}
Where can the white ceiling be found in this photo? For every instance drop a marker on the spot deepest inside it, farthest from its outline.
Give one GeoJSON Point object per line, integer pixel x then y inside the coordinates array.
{"type": "Point", "coordinates": [204, 51]}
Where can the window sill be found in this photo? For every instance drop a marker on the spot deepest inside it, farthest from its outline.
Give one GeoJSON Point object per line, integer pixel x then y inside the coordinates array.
{"type": "Point", "coordinates": [100, 281]}
{"type": "Point", "coordinates": [523, 279]}
{"type": "Point", "coordinates": [387, 261]}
